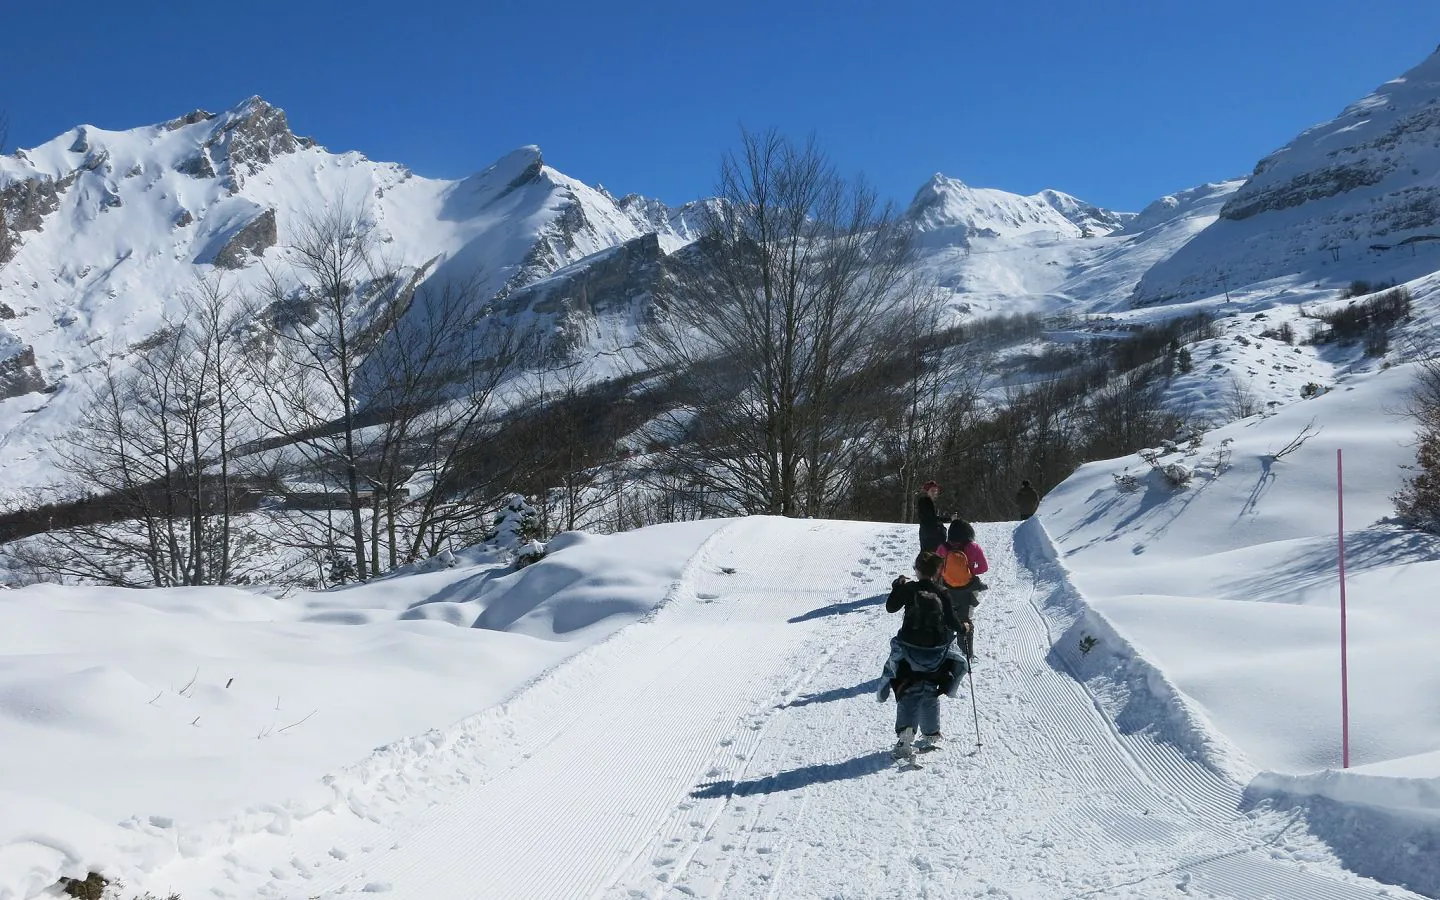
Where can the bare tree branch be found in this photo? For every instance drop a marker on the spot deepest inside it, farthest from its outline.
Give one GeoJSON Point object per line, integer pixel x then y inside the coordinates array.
{"type": "Point", "coordinates": [767, 323]}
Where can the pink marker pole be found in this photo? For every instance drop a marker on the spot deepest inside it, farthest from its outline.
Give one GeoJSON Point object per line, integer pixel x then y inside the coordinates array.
{"type": "Point", "coordinates": [1344, 656]}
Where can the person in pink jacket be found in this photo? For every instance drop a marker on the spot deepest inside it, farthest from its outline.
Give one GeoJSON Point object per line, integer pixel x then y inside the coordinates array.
{"type": "Point", "coordinates": [964, 591]}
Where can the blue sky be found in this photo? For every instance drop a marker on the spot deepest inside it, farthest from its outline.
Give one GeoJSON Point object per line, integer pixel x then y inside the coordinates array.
{"type": "Point", "coordinates": [1115, 101]}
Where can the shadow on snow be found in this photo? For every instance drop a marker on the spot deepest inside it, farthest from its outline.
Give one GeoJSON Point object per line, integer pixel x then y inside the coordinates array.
{"type": "Point", "coordinates": [795, 779]}
{"type": "Point", "coordinates": [839, 609]}
{"type": "Point", "coordinates": [859, 690]}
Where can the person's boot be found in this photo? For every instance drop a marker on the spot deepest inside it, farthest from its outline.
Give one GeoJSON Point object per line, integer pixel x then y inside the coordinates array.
{"type": "Point", "coordinates": [928, 742]}
{"type": "Point", "coordinates": [904, 748]}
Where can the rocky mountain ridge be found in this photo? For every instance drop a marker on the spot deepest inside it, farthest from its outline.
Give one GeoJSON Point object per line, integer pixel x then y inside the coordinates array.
{"type": "Point", "coordinates": [1333, 203]}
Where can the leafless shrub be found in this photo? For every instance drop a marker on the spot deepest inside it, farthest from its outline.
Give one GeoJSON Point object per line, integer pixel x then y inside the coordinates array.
{"type": "Point", "coordinates": [1240, 401]}
{"type": "Point", "coordinates": [1126, 482]}
{"type": "Point", "coordinates": [1296, 442]}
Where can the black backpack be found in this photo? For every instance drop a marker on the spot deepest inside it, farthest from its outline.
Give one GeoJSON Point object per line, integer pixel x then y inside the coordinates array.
{"type": "Point", "coordinates": [925, 619]}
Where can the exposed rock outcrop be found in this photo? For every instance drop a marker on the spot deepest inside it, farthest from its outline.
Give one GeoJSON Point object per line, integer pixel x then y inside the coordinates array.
{"type": "Point", "coordinates": [192, 118]}
{"type": "Point", "coordinates": [19, 375]}
{"type": "Point", "coordinates": [253, 135]}
{"type": "Point", "coordinates": [250, 241]}
{"type": "Point", "coordinates": [24, 206]}
{"type": "Point", "coordinates": [1303, 188]}
{"type": "Point", "coordinates": [249, 137]}
{"type": "Point", "coordinates": [197, 166]}
{"type": "Point", "coordinates": [616, 282]}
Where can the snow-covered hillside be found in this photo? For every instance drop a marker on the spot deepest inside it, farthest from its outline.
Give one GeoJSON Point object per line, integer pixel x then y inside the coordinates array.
{"type": "Point", "coordinates": [103, 231]}
{"type": "Point", "coordinates": [1057, 266]}
{"type": "Point", "coordinates": [726, 742]}
{"type": "Point", "coordinates": [1356, 197]}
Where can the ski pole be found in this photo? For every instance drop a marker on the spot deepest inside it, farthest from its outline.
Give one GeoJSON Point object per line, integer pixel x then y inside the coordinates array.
{"type": "Point", "coordinates": [974, 709]}
{"type": "Point", "coordinates": [970, 671]}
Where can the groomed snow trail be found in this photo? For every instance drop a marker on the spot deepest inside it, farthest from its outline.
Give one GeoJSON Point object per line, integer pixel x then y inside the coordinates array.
{"type": "Point", "coordinates": [1055, 804]}
{"type": "Point", "coordinates": [731, 746]}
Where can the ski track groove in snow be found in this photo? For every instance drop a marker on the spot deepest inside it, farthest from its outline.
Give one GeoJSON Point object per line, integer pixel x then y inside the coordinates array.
{"type": "Point", "coordinates": [731, 747]}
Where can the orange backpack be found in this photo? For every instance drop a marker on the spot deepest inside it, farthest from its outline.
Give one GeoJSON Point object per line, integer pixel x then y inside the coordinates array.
{"type": "Point", "coordinates": [955, 570]}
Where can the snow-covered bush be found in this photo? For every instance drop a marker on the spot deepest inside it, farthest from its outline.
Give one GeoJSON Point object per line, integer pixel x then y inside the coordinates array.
{"type": "Point", "coordinates": [516, 529]}
{"type": "Point", "coordinates": [1178, 474]}
{"type": "Point", "coordinates": [1418, 500]}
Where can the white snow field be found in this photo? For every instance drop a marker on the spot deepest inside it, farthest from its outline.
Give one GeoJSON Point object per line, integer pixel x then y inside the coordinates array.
{"type": "Point", "coordinates": [726, 743]}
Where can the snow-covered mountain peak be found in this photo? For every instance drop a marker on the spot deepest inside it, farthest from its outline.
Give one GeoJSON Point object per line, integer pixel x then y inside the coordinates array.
{"type": "Point", "coordinates": [948, 210]}
{"type": "Point", "coordinates": [519, 164]}
{"type": "Point", "coordinates": [1421, 83]}
{"type": "Point", "coordinates": [233, 144]}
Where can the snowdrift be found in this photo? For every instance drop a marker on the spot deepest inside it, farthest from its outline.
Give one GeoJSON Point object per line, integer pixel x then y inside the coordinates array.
{"type": "Point", "coordinates": [193, 716]}
{"type": "Point", "coordinates": [1213, 610]}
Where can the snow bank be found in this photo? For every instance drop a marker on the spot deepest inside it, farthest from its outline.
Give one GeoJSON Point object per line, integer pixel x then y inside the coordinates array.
{"type": "Point", "coordinates": [1231, 584]}
{"type": "Point", "coordinates": [139, 726]}
{"type": "Point", "coordinates": [1380, 824]}
{"type": "Point", "coordinates": [1132, 690]}
{"type": "Point", "coordinates": [1214, 614]}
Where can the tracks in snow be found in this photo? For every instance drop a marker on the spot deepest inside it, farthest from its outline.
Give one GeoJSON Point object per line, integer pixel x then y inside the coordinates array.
{"type": "Point", "coordinates": [731, 747]}
{"type": "Point", "coordinates": [1056, 804]}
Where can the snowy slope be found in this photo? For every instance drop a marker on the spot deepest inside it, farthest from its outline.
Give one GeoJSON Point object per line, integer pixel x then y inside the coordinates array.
{"type": "Point", "coordinates": [1106, 279]}
{"type": "Point", "coordinates": [1340, 201]}
{"type": "Point", "coordinates": [729, 745]}
{"type": "Point", "coordinates": [1230, 587]}
{"type": "Point", "coordinates": [146, 726]}
{"type": "Point", "coordinates": [105, 230]}
{"type": "Point", "coordinates": [1051, 269]}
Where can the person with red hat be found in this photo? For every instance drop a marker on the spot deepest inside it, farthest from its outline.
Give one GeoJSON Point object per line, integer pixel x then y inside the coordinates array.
{"type": "Point", "coordinates": [932, 530]}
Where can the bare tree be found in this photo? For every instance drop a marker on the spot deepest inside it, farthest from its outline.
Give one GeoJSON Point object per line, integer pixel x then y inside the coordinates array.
{"type": "Point", "coordinates": [305, 383]}
{"type": "Point", "coordinates": [768, 327]}
{"type": "Point", "coordinates": [153, 452]}
{"type": "Point", "coordinates": [575, 472]}
{"type": "Point", "coordinates": [431, 383]}
{"type": "Point", "coordinates": [938, 390]}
